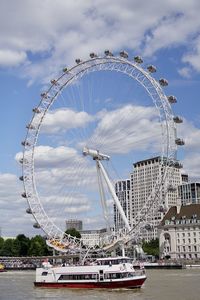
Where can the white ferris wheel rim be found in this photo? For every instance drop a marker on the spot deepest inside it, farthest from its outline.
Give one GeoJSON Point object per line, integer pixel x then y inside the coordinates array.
{"type": "Point", "coordinates": [116, 64]}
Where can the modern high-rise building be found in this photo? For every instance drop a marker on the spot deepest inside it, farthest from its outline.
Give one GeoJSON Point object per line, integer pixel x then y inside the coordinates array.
{"type": "Point", "coordinates": [122, 189]}
{"type": "Point", "coordinates": [143, 179]}
{"type": "Point", "coordinates": [74, 223]}
{"type": "Point", "coordinates": [189, 193]}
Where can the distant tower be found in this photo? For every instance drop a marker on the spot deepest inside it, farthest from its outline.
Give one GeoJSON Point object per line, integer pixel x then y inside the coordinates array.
{"type": "Point", "coordinates": [122, 189]}
{"type": "Point", "coordinates": [143, 179]}
{"type": "Point", "coordinates": [74, 223]}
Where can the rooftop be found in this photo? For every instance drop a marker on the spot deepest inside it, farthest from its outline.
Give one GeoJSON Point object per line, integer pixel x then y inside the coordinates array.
{"type": "Point", "coordinates": [186, 211]}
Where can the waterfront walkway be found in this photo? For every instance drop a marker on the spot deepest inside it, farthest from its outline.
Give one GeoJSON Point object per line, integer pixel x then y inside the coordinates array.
{"type": "Point", "coordinates": [31, 263]}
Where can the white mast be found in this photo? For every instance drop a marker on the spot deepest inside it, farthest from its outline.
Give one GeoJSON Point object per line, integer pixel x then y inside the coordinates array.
{"type": "Point", "coordinates": [96, 155]}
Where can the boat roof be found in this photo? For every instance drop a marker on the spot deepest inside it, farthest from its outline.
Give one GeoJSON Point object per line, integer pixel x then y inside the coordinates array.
{"type": "Point", "coordinates": [113, 258]}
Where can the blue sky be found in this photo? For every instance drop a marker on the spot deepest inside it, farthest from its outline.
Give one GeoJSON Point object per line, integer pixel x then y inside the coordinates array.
{"type": "Point", "coordinates": [39, 38]}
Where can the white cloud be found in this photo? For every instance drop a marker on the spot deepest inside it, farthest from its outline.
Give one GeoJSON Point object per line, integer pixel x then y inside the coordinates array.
{"type": "Point", "coordinates": [193, 57]}
{"type": "Point", "coordinates": [185, 72]}
{"type": "Point", "coordinates": [57, 32]}
{"type": "Point", "coordinates": [10, 197]}
{"type": "Point", "coordinates": [78, 209]}
{"type": "Point", "coordinates": [14, 219]}
{"type": "Point", "coordinates": [191, 165]}
{"type": "Point", "coordinates": [191, 161]}
{"type": "Point", "coordinates": [181, 23]}
{"type": "Point", "coordinates": [64, 119]}
{"type": "Point", "coordinates": [12, 58]}
{"type": "Point", "coordinates": [74, 199]}
{"type": "Point", "coordinates": [191, 135]}
{"type": "Point", "coordinates": [126, 129]}
{"type": "Point", "coordinates": [49, 157]}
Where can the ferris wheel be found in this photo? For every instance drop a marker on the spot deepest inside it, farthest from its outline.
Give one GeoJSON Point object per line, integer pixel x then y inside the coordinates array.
{"type": "Point", "coordinates": [99, 111]}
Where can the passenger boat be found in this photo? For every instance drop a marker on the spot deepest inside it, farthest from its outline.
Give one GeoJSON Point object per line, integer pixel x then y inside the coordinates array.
{"type": "Point", "coordinates": [112, 272]}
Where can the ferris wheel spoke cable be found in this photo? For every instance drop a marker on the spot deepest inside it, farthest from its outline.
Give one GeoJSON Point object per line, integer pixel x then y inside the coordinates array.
{"type": "Point", "coordinates": [78, 170]}
{"type": "Point", "coordinates": [120, 120]}
{"type": "Point", "coordinates": [74, 131]}
{"type": "Point", "coordinates": [75, 185]}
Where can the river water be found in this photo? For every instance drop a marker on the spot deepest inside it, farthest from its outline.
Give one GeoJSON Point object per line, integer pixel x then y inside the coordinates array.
{"type": "Point", "coordinates": [160, 285]}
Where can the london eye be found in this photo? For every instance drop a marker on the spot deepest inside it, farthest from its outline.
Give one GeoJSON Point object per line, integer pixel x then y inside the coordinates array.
{"type": "Point", "coordinates": [94, 118]}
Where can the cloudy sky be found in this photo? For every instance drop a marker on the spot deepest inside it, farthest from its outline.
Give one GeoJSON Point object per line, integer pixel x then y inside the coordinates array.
{"type": "Point", "coordinates": [38, 39]}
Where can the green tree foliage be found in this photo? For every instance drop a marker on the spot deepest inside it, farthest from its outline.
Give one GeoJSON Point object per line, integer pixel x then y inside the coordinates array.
{"type": "Point", "coordinates": [16, 248]}
{"type": "Point", "coordinates": [24, 244]}
{"type": "Point", "coordinates": [7, 249]}
{"type": "Point", "coordinates": [152, 247]}
{"type": "Point", "coordinates": [1, 243]}
{"type": "Point", "coordinates": [38, 247]}
{"type": "Point", "coordinates": [73, 232]}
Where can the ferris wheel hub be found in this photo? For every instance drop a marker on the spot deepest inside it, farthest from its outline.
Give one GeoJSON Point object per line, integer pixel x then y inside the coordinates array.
{"type": "Point", "coordinates": [95, 154]}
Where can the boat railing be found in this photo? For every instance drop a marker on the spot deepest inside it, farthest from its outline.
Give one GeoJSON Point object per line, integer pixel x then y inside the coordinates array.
{"type": "Point", "coordinates": [140, 272]}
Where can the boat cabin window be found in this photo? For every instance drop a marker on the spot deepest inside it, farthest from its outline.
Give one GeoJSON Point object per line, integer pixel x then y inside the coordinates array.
{"type": "Point", "coordinates": [78, 277]}
{"type": "Point", "coordinates": [119, 275]}
{"type": "Point", "coordinates": [44, 273]}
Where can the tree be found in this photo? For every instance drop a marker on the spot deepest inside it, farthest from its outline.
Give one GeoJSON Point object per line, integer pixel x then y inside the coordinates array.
{"type": "Point", "coordinates": [35, 249]}
{"type": "Point", "coordinates": [16, 248]}
{"type": "Point", "coordinates": [38, 246]}
{"type": "Point", "coordinates": [151, 247]}
{"type": "Point", "coordinates": [24, 244]}
{"type": "Point", "coordinates": [1, 243]}
{"type": "Point", "coordinates": [7, 249]}
{"type": "Point", "coordinates": [73, 232]}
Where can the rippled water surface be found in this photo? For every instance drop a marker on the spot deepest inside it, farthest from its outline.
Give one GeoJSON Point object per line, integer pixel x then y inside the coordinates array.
{"type": "Point", "coordinates": [160, 285]}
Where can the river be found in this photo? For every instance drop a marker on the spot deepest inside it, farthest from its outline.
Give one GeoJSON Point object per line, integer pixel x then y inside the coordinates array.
{"type": "Point", "coordinates": [160, 285]}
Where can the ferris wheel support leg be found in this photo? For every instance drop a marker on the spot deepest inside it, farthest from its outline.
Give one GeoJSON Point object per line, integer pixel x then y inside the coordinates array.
{"type": "Point", "coordinates": [114, 196]}
{"type": "Point", "coordinates": [102, 197]}
{"type": "Point", "coordinates": [123, 250]}
{"type": "Point", "coordinates": [54, 254]}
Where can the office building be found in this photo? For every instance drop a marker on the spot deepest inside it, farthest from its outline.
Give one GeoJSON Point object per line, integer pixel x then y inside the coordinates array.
{"type": "Point", "coordinates": [122, 189]}
{"type": "Point", "coordinates": [145, 175]}
{"type": "Point", "coordinates": [189, 193]}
